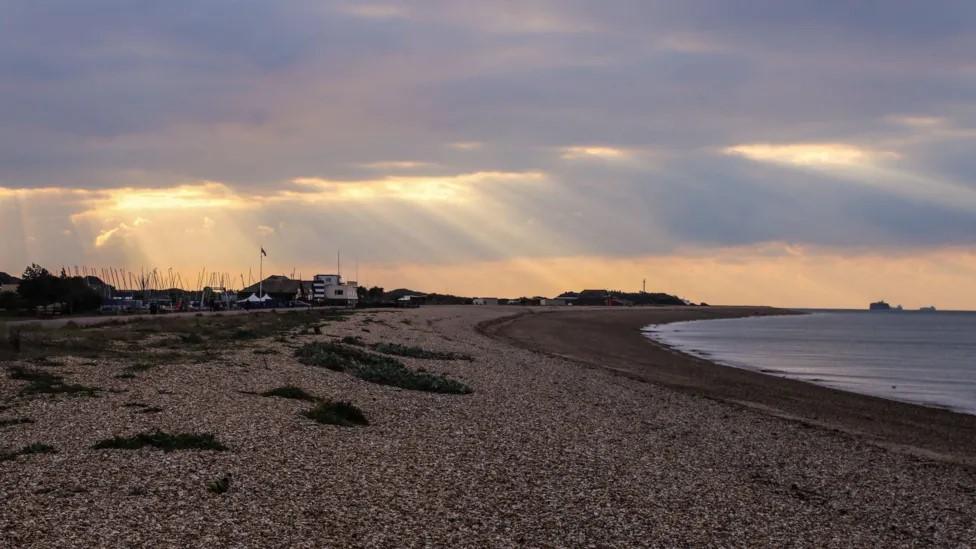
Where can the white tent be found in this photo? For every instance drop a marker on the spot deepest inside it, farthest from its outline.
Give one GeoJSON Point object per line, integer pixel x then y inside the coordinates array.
{"type": "Point", "coordinates": [254, 299]}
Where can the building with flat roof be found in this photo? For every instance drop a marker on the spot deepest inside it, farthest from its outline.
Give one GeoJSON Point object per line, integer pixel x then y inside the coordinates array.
{"type": "Point", "coordinates": [330, 289]}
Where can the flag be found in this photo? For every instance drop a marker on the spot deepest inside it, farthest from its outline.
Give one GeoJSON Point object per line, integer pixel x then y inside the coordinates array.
{"type": "Point", "coordinates": [263, 252]}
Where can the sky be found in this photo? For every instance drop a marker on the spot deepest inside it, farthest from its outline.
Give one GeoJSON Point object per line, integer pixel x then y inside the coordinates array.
{"type": "Point", "coordinates": [791, 153]}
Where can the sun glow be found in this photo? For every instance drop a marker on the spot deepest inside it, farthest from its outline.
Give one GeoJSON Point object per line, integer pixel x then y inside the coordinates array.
{"type": "Point", "coordinates": [593, 152]}
{"type": "Point", "coordinates": [456, 188]}
{"type": "Point", "coordinates": [811, 155]}
{"type": "Point", "coordinates": [207, 194]}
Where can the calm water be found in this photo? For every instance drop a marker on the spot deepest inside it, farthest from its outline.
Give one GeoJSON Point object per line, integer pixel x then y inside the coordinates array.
{"type": "Point", "coordinates": [922, 357]}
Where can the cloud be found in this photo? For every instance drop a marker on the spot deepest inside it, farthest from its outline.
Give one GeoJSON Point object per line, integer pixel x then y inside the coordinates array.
{"type": "Point", "coordinates": [466, 145]}
{"type": "Point", "coordinates": [374, 11]}
{"type": "Point", "coordinates": [593, 152]}
{"type": "Point", "coordinates": [397, 165]}
{"type": "Point", "coordinates": [649, 127]}
{"type": "Point", "coordinates": [811, 155]}
{"type": "Point", "coordinates": [413, 188]}
{"type": "Point", "coordinates": [104, 237]}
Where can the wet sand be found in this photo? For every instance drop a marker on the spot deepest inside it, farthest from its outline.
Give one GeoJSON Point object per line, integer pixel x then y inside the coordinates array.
{"type": "Point", "coordinates": [610, 339]}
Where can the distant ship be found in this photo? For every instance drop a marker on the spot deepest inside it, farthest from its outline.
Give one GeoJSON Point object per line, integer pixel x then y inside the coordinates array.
{"type": "Point", "coordinates": [882, 306]}
{"type": "Point", "coordinates": [930, 309]}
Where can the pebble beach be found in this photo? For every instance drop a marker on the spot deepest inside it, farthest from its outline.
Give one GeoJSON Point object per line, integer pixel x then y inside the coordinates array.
{"type": "Point", "coordinates": [544, 452]}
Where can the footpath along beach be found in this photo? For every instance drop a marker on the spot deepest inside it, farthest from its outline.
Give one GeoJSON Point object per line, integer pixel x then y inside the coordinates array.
{"type": "Point", "coordinates": [577, 432]}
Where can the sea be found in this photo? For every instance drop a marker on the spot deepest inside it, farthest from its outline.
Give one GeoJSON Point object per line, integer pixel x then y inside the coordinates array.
{"type": "Point", "coordinates": [922, 357]}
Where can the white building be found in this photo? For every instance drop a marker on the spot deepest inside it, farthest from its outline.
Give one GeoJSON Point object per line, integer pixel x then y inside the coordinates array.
{"type": "Point", "coordinates": [329, 288]}
{"type": "Point", "coordinates": [485, 301]}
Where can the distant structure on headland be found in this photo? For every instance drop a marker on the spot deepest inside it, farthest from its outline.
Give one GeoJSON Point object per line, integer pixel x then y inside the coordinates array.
{"type": "Point", "coordinates": [929, 309]}
{"type": "Point", "coordinates": [883, 306]}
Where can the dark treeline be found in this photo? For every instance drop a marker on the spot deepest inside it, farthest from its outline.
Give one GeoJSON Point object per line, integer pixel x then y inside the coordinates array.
{"type": "Point", "coordinates": [38, 287]}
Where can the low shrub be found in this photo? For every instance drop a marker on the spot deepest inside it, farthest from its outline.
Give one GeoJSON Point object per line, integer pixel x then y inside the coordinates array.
{"type": "Point", "coordinates": [150, 410]}
{"type": "Point", "coordinates": [374, 368]}
{"type": "Point", "coordinates": [289, 391]}
{"type": "Point", "coordinates": [191, 338]}
{"type": "Point", "coordinates": [220, 485]}
{"type": "Point", "coordinates": [416, 352]}
{"type": "Point", "coordinates": [354, 340]}
{"type": "Point", "coordinates": [15, 421]}
{"type": "Point", "coordinates": [344, 414]}
{"type": "Point", "coordinates": [163, 441]}
{"type": "Point", "coordinates": [36, 448]}
{"type": "Point", "coordinates": [244, 333]}
{"type": "Point", "coordinates": [47, 383]}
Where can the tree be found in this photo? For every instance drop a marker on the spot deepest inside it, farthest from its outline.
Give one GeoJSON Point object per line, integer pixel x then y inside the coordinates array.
{"type": "Point", "coordinates": [40, 287]}
{"type": "Point", "coordinates": [374, 294]}
{"type": "Point", "coordinates": [34, 271]}
{"type": "Point", "coordinates": [10, 301]}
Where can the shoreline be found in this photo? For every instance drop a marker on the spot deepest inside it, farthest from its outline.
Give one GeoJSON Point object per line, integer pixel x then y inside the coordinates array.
{"type": "Point", "coordinates": [612, 339]}
{"type": "Point", "coordinates": [650, 334]}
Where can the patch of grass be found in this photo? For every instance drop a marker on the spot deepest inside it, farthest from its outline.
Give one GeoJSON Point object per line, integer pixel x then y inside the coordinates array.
{"type": "Point", "coordinates": [265, 352]}
{"type": "Point", "coordinates": [36, 448]}
{"type": "Point", "coordinates": [144, 408]}
{"type": "Point", "coordinates": [191, 338]}
{"type": "Point", "coordinates": [163, 441]}
{"type": "Point", "coordinates": [14, 340]}
{"type": "Point", "coordinates": [72, 389]}
{"type": "Point", "coordinates": [150, 410]}
{"type": "Point", "coordinates": [354, 340]}
{"type": "Point", "coordinates": [34, 376]}
{"type": "Point", "coordinates": [416, 352]}
{"type": "Point", "coordinates": [47, 383]}
{"type": "Point", "coordinates": [129, 372]}
{"type": "Point", "coordinates": [243, 333]}
{"type": "Point", "coordinates": [403, 377]}
{"type": "Point", "coordinates": [220, 485]}
{"type": "Point", "coordinates": [374, 368]}
{"type": "Point", "coordinates": [15, 421]}
{"type": "Point", "coordinates": [139, 338]}
{"type": "Point", "coordinates": [290, 391]}
{"type": "Point", "coordinates": [344, 414]}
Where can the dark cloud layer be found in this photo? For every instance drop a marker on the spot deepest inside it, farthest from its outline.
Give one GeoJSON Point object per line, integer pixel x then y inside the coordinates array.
{"type": "Point", "coordinates": [105, 94]}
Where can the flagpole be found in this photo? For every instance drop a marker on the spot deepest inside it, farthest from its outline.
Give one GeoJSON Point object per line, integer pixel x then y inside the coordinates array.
{"type": "Point", "coordinates": [261, 273]}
